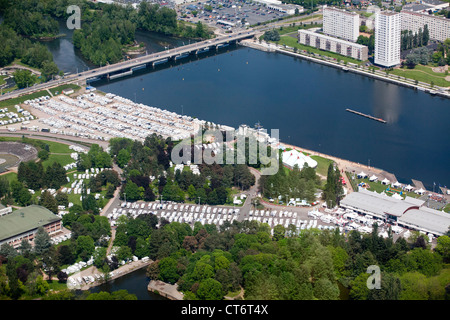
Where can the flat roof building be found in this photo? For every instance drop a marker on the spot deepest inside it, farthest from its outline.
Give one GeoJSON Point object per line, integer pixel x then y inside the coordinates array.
{"type": "Point", "coordinates": [24, 223]}
{"type": "Point", "coordinates": [438, 27]}
{"type": "Point", "coordinates": [327, 43]}
{"type": "Point", "coordinates": [341, 23]}
{"type": "Point", "coordinates": [387, 39]}
{"type": "Point", "coordinates": [410, 213]}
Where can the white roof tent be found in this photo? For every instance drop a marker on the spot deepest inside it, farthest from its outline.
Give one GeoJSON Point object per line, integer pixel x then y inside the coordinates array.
{"type": "Point", "coordinates": [293, 157]}
{"type": "Point", "coordinates": [362, 174]}
{"type": "Point", "coordinates": [410, 212]}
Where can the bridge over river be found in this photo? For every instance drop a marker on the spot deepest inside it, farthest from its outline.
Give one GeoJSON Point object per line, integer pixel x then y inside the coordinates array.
{"type": "Point", "coordinates": [127, 67]}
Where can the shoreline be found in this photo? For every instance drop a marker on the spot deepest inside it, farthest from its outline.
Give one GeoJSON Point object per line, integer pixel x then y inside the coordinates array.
{"type": "Point", "coordinates": [270, 47]}
{"type": "Point", "coordinates": [119, 272]}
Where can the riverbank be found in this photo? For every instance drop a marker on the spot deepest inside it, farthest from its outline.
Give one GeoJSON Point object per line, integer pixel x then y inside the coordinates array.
{"type": "Point", "coordinates": [271, 47]}
{"type": "Point", "coordinates": [96, 274]}
{"type": "Point", "coordinates": [169, 291]}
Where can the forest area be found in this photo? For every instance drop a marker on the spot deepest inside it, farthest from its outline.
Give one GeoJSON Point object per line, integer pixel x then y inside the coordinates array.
{"type": "Point", "coordinates": [106, 29]}
{"type": "Point", "coordinates": [244, 259]}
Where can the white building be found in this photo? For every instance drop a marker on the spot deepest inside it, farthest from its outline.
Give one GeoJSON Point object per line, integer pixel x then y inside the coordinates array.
{"type": "Point", "coordinates": [293, 157]}
{"type": "Point", "coordinates": [343, 47]}
{"type": "Point", "coordinates": [387, 39]}
{"type": "Point", "coordinates": [438, 27]}
{"type": "Point", "coordinates": [341, 23]}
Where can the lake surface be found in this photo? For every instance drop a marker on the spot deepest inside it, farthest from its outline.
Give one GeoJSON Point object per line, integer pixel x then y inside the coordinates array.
{"type": "Point", "coordinates": [304, 100]}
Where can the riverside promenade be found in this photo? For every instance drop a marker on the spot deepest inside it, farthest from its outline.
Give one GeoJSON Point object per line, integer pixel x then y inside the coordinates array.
{"type": "Point", "coordinates": [272, 47]}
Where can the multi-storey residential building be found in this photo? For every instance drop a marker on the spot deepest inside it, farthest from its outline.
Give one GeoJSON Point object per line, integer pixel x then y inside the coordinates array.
{"type": "Point", "coordinates": [438, 27]}
{"type": "Point", "coordinates": [324, 42]}
{"type": "Point", "coordinates": [387, 38]}
{"type": "Point", "coordinates": [341, 23]}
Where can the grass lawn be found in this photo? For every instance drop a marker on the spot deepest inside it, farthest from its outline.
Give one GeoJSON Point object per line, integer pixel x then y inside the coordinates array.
{"type": "Point", "coordinates": [293, 42]}
{"type": "Point", "coordinates": [423, 74]}
{"type": "Point", "coordinates": [378, 186]}
{"type": "Point", "coordinates": [291, 29]}
{"type": "Point", "coordinates": [322, 165]}
{"type": "Point", "coordinates": [10, 176]}
{"type": "Point", "coordinates": [55, 285]}
{"type": "Point", "coordinates": [57, 90]}
{"type": "Point", "coordinates": [56, 147]}
{"type": "Point", "coordinates": [447, 208]}
{"type": "Point", "coordinates": [19, 100]}
{"type": "Point", "coordinates": [63, 159]}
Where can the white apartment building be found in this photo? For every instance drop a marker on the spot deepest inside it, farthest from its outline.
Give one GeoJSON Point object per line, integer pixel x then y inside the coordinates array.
{"type": "Point", "coordinates": [438, 27]}
{"type": "Point", "coordinates": [341, 23]}
{"type": "Point", "coordinates": [387, 38]}
{"type": "Point", "coordinates": [324, 42]}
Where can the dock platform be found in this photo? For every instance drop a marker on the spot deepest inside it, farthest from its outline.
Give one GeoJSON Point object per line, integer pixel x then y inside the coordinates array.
{"type": "Point", "coordinates": [418, 184]}
{"type": "Point", "coordinates": [366, 115]}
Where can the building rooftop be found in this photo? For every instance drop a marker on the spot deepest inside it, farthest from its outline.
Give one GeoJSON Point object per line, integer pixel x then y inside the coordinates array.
{"type": "Point", "coordinates": [417, 7]}
{"type": "Point", "coordinates": [341, 11]}
{"type": "Point", "coordinates": [25, 220]}
{"type": "Point", "coordinates": [434, 2]}
{"type": "Point", "coordinates": [389, 13]}
{"type": "Point", "coordinates": [410, 211]}
{"type": "Point", "coordinates": [356, 45]}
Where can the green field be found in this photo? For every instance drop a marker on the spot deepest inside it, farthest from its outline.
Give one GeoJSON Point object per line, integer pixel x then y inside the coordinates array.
{"type": "Point", "coordinates": [63, 159]}
{"type": "Point", "coordinates": [423, 74]}
{"type": "Point", "coordinates": [377, 186]}
{"type": "Point", "coordinates": [322, 165]}
{"type": "Point", "coordinates": [291, 29]}
{"type": "Point", "coordinates": [19, 100]}
{"type": "Point", "coordinates": [57, 90]}
{"type": "Point", "coordinates": [10, 176]}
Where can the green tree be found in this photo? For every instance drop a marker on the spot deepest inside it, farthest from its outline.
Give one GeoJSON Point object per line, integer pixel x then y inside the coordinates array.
{"type": "Point", "coordinates": [132, 191]}
{"type": "Point", "coordinates": [24, 78]}
{"type": "Point", "coordinates": [123, 158]}
{"type": "Point", "coordinates": [85, 247]}
{"type": "Point", "coordinates": [41, 241]}
{"type": "Point", "coordinates": [210, 289]}
{"type": "Point", "coordinates": [168, 270]}
{"type": "Point", "coordinates": [48, 201]}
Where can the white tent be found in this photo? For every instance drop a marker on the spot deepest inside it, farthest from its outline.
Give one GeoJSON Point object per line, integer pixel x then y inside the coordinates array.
{"type": "Point", "coordinates": [362, 174]}
{"type": "Point", "coordinates": [396, 184]}
{"type": "Point", "coordinates": [293, 157]}
{"type": "Point", "coordinates": [385, 181]}
{"type": "Point", "coordinates": [420, 191]}
{"type": "Point", "coordinates": [373, 178]}
{"type": "Point", "coordinates": [397, 196]}
{"type": "Point", "coordinates": [409, 187]}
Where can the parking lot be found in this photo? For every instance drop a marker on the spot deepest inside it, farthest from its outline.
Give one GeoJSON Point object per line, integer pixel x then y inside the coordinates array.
{"type": "Point", "coordinates": [228, 14]}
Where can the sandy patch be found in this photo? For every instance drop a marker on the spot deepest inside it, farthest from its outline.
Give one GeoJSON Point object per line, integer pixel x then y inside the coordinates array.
{"type": "Point", "coordinates": [441, 69]}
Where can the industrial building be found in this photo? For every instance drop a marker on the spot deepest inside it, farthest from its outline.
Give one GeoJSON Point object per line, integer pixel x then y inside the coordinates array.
{"type": "Point", "coordinates": [410, 212]}
{"type": "Point", "coordinates": [23, 224]}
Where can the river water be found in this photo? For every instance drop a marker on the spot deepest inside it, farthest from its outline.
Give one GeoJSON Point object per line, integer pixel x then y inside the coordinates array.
{"type": "Point", "coordinates": [135, 283]}
{"type": "Point", "coordinates": [304, 100]}
{"type": "Point", "coordinates": [307, 102]}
